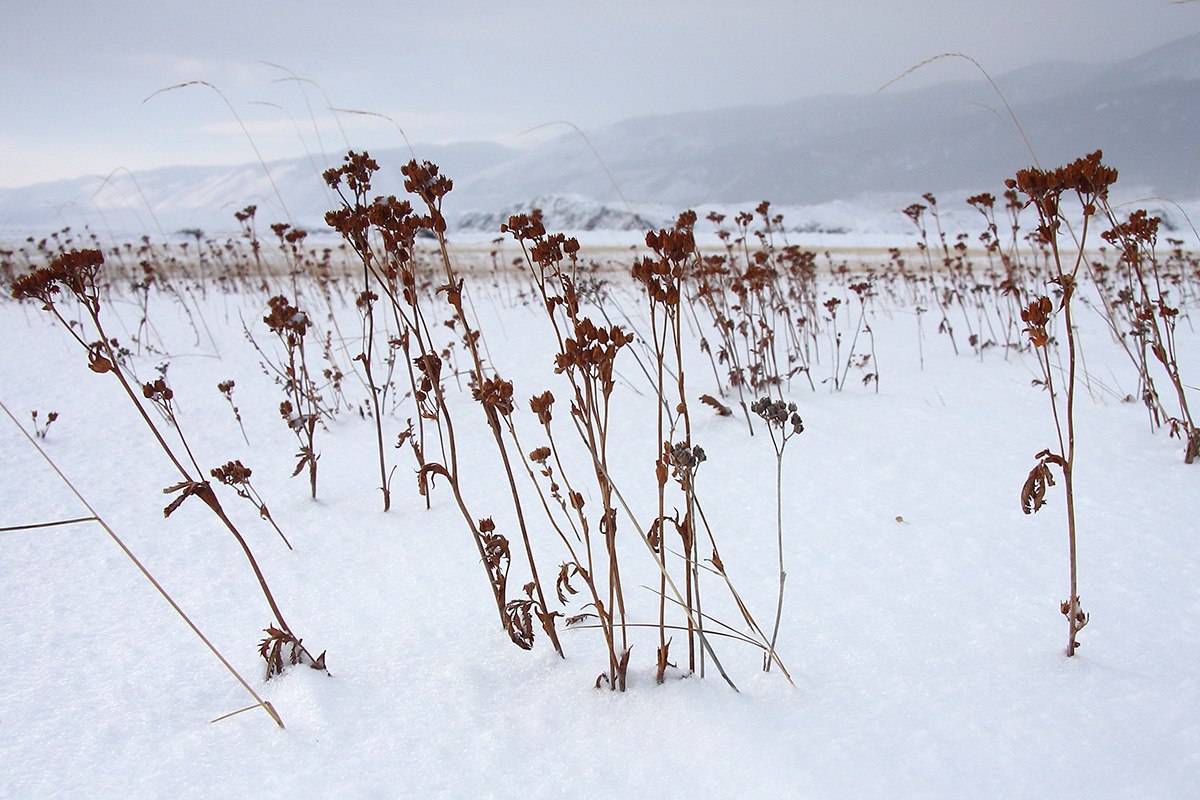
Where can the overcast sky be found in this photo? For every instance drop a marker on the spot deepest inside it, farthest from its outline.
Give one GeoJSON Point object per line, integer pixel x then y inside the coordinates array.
{"type": "Point", "coordinates": [74, 74]}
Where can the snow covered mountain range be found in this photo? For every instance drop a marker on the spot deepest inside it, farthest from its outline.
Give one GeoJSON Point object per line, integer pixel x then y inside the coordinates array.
{"type": "Point", "coordinates": [959, 137]}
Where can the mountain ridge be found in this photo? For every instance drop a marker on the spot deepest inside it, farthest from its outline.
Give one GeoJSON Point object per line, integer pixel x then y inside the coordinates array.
{"type": "Point", "coordinates": [1143, 113]}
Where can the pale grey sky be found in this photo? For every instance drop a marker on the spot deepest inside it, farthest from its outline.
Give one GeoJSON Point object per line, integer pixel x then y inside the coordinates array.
{"type": "Point", "coordinates": [74, 74]}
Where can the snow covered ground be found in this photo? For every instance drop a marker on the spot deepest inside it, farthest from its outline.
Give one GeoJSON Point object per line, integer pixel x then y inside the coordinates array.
{"type": "Point", "coordinates": [921, 623]}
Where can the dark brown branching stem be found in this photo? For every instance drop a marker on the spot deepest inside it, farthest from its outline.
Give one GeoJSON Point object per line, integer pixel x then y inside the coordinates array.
{"type": "Point", "coordinates": [571, 507]}
{"type": "Point", "coordinates": [226, 389]}
{"type": "Point", "coordinates": [237, 476]}
{"type": "Point", "coordinates": [663, 570]}
{"type": "Point", "coordinates": [916, 213]}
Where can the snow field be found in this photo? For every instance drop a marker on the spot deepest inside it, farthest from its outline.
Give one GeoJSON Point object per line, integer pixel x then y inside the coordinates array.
{"type": "Point", "coordinates": [927, 654]}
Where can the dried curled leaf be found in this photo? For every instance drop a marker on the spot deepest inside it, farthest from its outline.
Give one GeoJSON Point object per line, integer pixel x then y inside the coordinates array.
{"type": "Point", "coordinates": [716, 561]}
{"type": "Point", "coordinates": [188, 488]}
{"type": "Point", "coordinates": [616, 681]}
{"type": "Point", "coordinates": [99, 364]}
{"type": "Point", "coordinates": [424, 473]}
{"type": "Point", "coordinates": [1067, 282]}
{"type": "Point", "coordinates": [520, 623]}
{"type": "Point", "coordinates": [1033, 494]}
{"type": "Point", "coordinates": [564, 584]}
{"type": "Point", "coordinates": [663, 661]}
{"type": "Point", "coordinates": [305, 457]}
{"type": "Point", "coordinates": [720, 407]}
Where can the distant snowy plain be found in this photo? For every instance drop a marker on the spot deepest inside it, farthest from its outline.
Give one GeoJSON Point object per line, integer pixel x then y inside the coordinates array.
{"type": "Point", "coordinates": [921, 622]}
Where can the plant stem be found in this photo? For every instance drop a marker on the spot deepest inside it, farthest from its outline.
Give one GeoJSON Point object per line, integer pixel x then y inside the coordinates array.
{"type": "Point", "coordinates": [779, 536]}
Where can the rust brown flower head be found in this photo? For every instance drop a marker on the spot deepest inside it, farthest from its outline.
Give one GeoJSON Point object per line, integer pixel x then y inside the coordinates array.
{"type": "Point", "coordinates": [495, 394]}
{"type": "Point", "coordinates": [1138, 231]}
{"type": "Point", "coordinates": [525, 226]}
{"type": "Point", "coordinates": [286, 320]}
{"type": "Point", "coordinates": [158, 391]}
{"type": "Point", "coordinates": [425, 181]}
{"type": "Point", "coordinates": [356, 172]}
{"type": "Point", "coordinates": [233, 473]}
{"type": "Point", "coordinates": [673, 245]}
{"type": "Point", "coordinates": [915, 212]}
{"type": "Point", "coordinates": [660, 278]}
{"type": "Point", "coordinates": [1036, 316]}
{"type": "Point", "coordinates": [549, 250]}
{"type": "Point", "coordinates": [1086, 176]}
{"type": "Point", "coordinates": [592, 349]}
{"type": "Point", "coordinates": [982, 201]}
{"type": "Point", "coordinates": [542, 405]}
{"type": "Point", "coordinates": [396, 223]}
{"type": "Point", "coordinates": [41, 284]}
{"type": "Point", "coordinates": [75, 269]}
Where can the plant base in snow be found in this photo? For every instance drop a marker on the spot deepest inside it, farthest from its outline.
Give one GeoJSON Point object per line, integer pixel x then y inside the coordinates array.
{"type": "Point", "coordinates": [280, 645]}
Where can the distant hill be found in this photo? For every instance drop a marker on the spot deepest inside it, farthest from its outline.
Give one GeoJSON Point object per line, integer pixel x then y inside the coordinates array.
{"type": "Point", "coordinates": [1143, 113]}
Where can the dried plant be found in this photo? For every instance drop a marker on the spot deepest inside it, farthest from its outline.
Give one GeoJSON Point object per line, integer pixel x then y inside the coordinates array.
{"type": "Point", "coordinates": [1011, 283]}
{"type": "Point", "coordinates": [226, 389]}
{"type": "Point", "coordinates": [586, 356]}
{"type": "Point", "coordinates": [76, 273]}
{"type": "Point", "coordinates": [1089, 180]}
{"type": "Point", "coordinates": [493, 393]}
{"type": "Point", "coordinates": [663, 279]}
{"type": "Point", "coordinates": [1143, 310]}
{"type": "Point", "coordinates": [302, 408]}
{"type": "Point", "coordinates": [352, 222]}
{"type": "Point", "coordinates": [916, 213]}
{"type": "Point", "coordinates": [783, 422]}
{"type": "Point", "coordinates": [762, 302]}
{"type": "Point", "coordinates": [41, 429]}
{"type": "Point", "coordinates": [237, 476]}
{"type": "Point", "coordinates": [95, 517]}
{"type": "Point", "coordinates": [863, 292]}
{"type": "Point", "coordinates": [277, 642]}
{"type": "Point", "coordinates": [245, 219]}
{"type": "Point", "coordinates": [398, 227]}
